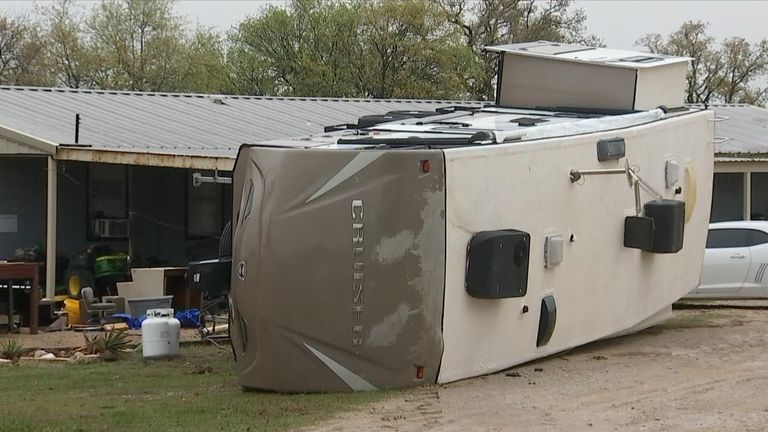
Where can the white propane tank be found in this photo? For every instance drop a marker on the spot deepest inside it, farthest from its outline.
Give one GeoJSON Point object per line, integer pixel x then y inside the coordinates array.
{"type": "Point", "coordinates": [175, 330]}
{"type": "Point", "coordinates": [155, 336]}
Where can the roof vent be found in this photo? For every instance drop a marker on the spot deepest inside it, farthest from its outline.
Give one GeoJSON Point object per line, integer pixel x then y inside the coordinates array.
{"type": "Point", "coordinates": [218, 100]}
{"type": "Point", "coordinates": [528, 121]}
{"type": "Point", "coordinates": [548, 75]}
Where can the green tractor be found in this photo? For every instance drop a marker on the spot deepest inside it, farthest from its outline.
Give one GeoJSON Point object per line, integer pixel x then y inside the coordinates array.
{"type": "Point", "coordinates": [98, 267]}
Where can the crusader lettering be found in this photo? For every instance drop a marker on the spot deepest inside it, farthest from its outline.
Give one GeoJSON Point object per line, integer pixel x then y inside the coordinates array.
{"type": "Point", "coordinates": [358, 274]}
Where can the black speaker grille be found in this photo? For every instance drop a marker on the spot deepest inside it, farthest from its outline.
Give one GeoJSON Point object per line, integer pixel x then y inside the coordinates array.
{"type": "Point", "coordinates": [497, 264]}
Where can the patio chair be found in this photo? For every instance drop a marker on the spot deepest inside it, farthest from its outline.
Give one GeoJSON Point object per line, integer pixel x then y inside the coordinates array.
{"type": "Point", "coordinates": [96, 308]}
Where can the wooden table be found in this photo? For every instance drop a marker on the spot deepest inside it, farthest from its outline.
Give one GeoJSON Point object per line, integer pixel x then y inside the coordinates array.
{"type": "Point", "coordinates": [20, 271]}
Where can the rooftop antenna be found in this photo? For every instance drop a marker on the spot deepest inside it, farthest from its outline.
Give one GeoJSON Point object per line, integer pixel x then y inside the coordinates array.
{"type": "Point", "coordinates": [77, 128]}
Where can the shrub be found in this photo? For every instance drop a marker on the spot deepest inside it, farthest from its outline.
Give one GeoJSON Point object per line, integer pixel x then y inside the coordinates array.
{"type": "Point", "coordinates": [12, 350]}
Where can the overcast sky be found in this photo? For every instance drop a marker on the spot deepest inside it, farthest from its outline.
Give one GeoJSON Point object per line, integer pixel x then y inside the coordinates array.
{"type": "Point", "coordinates": [619, 23]}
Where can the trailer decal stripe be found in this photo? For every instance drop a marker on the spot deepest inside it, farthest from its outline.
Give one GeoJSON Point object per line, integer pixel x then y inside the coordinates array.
{"type": "Point", "coordinates": [362, 160]}
{"type": "Point", "coordinates": [350, 378]}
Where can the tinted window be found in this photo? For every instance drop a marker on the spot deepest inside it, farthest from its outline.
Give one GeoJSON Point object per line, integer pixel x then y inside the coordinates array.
{"type": "Point", "coordinates": [758, 194]}
{"type": "Point", "coordinates": [757, 237]}
{"type": "Point", "coordinates": [728, 197]}
{"type": "Point", "coordinates": [727, 238]}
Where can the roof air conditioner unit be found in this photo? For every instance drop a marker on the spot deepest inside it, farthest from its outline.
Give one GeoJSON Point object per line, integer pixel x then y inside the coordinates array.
{"type": "Point", "coordinates": [549, 75]}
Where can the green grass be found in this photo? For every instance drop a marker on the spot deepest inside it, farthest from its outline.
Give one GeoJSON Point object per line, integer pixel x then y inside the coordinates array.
{"type": "Point", "coordinates": [195, 392]}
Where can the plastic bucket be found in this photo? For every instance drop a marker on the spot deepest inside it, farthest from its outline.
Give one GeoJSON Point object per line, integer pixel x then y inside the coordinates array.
{"type": "Point", "coordinates": [72, 307]}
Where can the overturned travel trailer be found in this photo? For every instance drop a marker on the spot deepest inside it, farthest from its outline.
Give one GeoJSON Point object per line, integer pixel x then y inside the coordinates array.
{"type": "Point", "coordinates": [431, 248]}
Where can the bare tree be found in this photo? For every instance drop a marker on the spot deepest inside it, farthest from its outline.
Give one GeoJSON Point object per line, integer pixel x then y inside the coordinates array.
{"type": "Point", "coordinates": [22, 53]}
{"type": "Point", "coordinates": [744, 62]}
{"type": "Point", "coordinates": [721, 73]}
{"type": "Point", "coordinates": [494, 22]}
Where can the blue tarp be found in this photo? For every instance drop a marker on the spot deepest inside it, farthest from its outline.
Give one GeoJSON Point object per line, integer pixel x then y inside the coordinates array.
{"type": "Point", "coordinates": [189, 319]}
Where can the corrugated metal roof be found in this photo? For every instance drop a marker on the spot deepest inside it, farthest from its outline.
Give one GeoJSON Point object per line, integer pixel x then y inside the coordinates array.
{"type": "Point", "coordinates": [746, 129]}
{"type": "Point", "coordinates": [741, 159]}
{"type": "Point", "coordinates": [198, 125]}
{"type": "Point", "coordinates": [180, 124]}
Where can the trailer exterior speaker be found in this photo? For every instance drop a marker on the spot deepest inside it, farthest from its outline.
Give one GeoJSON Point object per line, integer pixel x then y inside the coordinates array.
{"type": "Point", "coordinates": [497, 264]}
{"type": "Point", "coordinates": [669, 222]}
{"type": "Point", "coordinates": [638, 232]}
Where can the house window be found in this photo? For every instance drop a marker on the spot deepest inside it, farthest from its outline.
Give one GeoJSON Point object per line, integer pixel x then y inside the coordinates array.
{"type": "Point", "coordinates": [205, 207]}
{"type": "Point", "coordinates": [728, 197]}
{"type": "Point", "coordinates": [107, 201]}
{"type": "Point", "coordinates": [759, 198]}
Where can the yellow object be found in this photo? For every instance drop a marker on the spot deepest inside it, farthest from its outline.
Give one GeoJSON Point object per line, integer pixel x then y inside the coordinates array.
{"type": "Point", "coordinates": [74, 285]}
{"type": "Point", "coordinates": [72, 307]}
{"type": "Point", "coordinates": [690, 193]}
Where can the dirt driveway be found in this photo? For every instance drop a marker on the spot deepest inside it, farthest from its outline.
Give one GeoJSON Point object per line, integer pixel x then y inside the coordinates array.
{"type": "Point", "coordinates": [704, 370]}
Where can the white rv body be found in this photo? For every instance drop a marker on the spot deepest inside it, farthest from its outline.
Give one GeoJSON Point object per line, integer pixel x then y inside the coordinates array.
{"type": "Point", "coordinates": [428, 247]}
{"type": "Point", "coordinates": [601, 287]}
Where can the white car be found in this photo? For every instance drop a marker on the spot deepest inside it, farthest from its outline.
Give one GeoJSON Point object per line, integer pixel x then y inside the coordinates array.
{"type": "Point", "coordinates": [735, 261]}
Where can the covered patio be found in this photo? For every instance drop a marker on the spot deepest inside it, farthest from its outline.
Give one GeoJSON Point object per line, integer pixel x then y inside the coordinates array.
{"type": "Point", "coordinates": [143, 174]}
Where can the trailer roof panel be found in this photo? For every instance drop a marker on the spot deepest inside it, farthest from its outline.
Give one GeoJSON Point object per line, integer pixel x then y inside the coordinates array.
{"type": "Point", "coordinates": [584, 54]}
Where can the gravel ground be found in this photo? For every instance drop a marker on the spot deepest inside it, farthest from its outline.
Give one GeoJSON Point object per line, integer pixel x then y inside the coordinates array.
{"type": "Point", "coordinates": [704, 370]}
